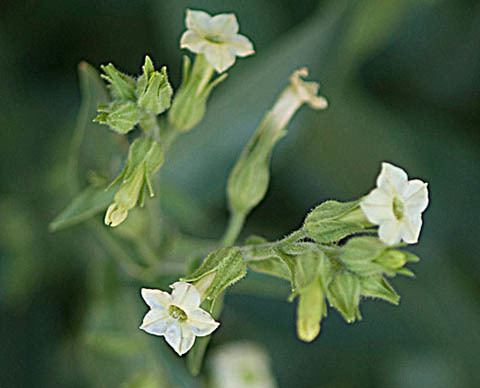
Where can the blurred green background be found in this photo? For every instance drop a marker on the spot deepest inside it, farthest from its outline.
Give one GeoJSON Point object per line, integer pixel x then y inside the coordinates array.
{"type": "Point", "coordinates": [403, 80]}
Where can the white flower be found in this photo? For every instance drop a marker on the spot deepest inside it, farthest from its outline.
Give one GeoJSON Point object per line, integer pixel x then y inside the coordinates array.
{"type": "Point", "coordinates": [215, 37]}
{"type": "Point", "coordinates": [177, 317]}
{"type": "Point", "coordinates": [396, 205]}
{"type": "Point", "coordinates": [241, 364]}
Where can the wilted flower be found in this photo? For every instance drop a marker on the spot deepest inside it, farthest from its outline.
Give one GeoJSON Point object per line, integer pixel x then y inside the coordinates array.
{"type": "Point", "coordinates": [396, 205]}
{"type": "Point", "coordinates": [249, 179]}
{"type": "Point", "coordinates": [177, 317]}
{"type": "Point", "coordinates": [215, 37]}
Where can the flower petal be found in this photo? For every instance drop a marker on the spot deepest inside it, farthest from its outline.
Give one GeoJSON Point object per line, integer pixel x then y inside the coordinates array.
{"type": "Point", "coordinates": [219, 56]}
{"type": "Point", "coordinates": [201, 322]}
{"type": "Point", "coordinates": [392, 179]}
{"type": "Point", "coordinates": [173, 336]}
{"type": "Point", "coordinates": [198, 21]}
{"type": "Point", "coordinates": [156, 299]}
{"type": "Point", "coordinates": [241, 45]}
{"type": "Point", "coordinates": [378, 206]}
{"type": "Point", "coordinates": [188, 339]}
{"type": "Point", "coordinates": [224, 24]}
{"type": "Point", "coordinates": [180, 337]}
{"type": "Point", "coordinates": [390, 232]}
{"type": "Point", "coordinates": [185, 296]}
{"type": "Point", "coordinates": [192, 41]}
{"type": "Point", "coordinates": [307, 90]}
{"type": "Point", "coordinates": [155, 322]}
{"type": "Point", "coordinates": [411, 228]}
{"type": "Point", "coordinates": [415, 197]}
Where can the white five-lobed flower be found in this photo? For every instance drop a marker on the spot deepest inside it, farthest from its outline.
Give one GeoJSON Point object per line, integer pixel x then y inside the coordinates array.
{"type": "Point", "coordinates": [177, 317]}
{"type": "Point", "coordinates": [396, 205]}
{"type": "Point", "coordinates": [216, 37]}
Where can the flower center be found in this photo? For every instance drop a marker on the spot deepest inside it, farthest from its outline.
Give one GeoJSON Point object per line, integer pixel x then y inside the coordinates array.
{"type": "Point", "coordinates": [398, 208]}
{"type": "Point", "coordinates": [214, 38]}
{"type": "Point", "coordinates": [177, 313]}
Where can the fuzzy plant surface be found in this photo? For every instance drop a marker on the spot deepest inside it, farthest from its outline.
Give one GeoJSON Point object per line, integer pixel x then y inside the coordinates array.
{"type": "Point", "coordinates": [343, 253]}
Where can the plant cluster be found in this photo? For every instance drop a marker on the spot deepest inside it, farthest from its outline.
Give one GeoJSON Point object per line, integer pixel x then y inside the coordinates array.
{"type": "Point", "coordinates": [343, 252]}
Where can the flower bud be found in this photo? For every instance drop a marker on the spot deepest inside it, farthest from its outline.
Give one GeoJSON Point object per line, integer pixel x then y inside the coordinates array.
{"type": "Point", "coordinates": [145, 157]}
{"type": "Point", "coordinates": [189, 103]}
{"type": "Point", "coordinates": [392, 259]}
{"type": "Point", "coordinates": [126, 198]}
{"type": "Point", "coordinates": [311, 309]}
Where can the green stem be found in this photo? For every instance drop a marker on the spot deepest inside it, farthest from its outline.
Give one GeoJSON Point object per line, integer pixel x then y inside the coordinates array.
{"type": "Point", "coordinates": [252, 251]}
{"type": "Point", "coordinates": [234, 228]}
{"type": "Point", "coordinates": [149, 124]}
{"type": "Point", "coordinates": [291, 238]}
{"type": "Point", "coordinates": [168, 134]}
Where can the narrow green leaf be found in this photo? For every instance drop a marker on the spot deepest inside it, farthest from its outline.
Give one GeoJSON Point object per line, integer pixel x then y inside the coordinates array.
{"type": "Point", "coordinates": [93, 93]}
{"type": "Point", "coordinates": [87, 204]}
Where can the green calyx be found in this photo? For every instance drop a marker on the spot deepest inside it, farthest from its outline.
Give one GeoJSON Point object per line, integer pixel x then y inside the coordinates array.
{"type": "Point", "coordinates": [135, 101]}
{"type": "Point", "coordinates": [189, 105]}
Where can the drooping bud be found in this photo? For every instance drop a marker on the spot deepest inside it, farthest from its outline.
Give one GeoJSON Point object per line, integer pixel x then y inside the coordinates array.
{"type": "Point", "coordinates": [311, 309]}
{"type": "Point", "coordinates": [145, 157]}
